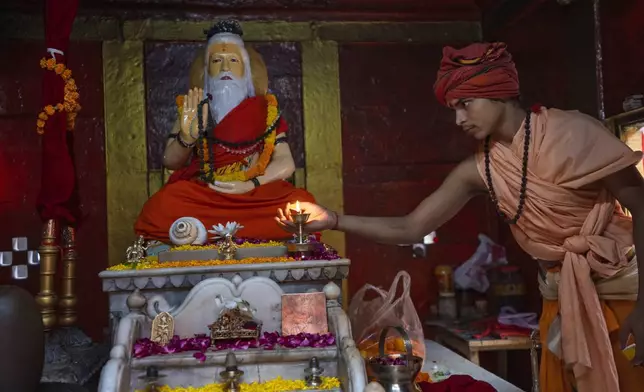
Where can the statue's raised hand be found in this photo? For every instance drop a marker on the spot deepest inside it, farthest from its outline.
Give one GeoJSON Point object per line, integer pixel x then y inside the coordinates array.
{"type": "Point", "coordinates": [189, 118]}
{"type": "Point", "coordinates": [320, 218]}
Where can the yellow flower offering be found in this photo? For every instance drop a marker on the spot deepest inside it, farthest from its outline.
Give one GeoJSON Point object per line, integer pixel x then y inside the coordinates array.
{"type": "Point", "coordinates": [277, 385]}
{"type": "Point", "coordinates": [153, 262]}
{"type": "Point", "coordinates": [245, 244]}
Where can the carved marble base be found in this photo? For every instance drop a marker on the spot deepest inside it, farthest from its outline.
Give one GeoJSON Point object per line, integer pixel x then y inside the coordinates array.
{"type": "Point", "coordinates": [71, 357]}
{"type": "Point", "coordinates": [174, 283]}
{"type": "Point", "coordinates": [201, 306]}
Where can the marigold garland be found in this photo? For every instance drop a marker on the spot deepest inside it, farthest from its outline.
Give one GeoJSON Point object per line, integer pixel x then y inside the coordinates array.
{"type": "Point", "coordinates": [272, 115]}
{"type": "Point", "coordinates": [258, 169]}
{"type": "Point", "coordinates": [245, 244]}
{"type": "Point", "coordinates": [155, 263]}
{"type": "Point", "coordinates": [70, 102]}
{"type": "Point", "coordinates": [276, 385]}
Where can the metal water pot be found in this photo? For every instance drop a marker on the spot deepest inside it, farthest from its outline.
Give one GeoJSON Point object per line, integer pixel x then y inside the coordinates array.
{"type": "Point", "coordinates": [396, 372]}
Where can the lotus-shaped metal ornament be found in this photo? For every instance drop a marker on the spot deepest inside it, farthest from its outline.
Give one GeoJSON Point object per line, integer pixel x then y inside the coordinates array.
{"type": "Point", "coordinates": [227, 247]}
{"type": "Point", "coordinates": [221, 232]}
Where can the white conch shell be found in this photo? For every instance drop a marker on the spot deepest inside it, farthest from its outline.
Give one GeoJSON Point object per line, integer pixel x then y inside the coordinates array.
{"type": "Point", "coordinates": [188, 231]}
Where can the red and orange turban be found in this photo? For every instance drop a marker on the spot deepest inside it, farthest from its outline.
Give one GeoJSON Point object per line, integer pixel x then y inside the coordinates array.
{"type": "Point", "coordinates": [481, 70]}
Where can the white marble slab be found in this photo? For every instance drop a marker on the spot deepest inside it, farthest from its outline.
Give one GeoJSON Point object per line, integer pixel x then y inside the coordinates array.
{"type": "Point", "coordinates": [456, 364]}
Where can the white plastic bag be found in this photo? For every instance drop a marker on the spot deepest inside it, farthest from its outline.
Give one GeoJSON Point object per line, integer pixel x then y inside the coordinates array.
{"type": "Point", "coordinates": [369, 318]}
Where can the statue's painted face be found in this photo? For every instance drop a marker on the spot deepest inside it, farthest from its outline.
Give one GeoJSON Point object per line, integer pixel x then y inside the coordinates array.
{"type": "Point", "coordinates": [225, 57]}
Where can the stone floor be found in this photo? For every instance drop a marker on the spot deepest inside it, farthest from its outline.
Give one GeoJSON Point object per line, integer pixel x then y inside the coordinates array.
{"type": "Point", "coordinates": [71, 360]}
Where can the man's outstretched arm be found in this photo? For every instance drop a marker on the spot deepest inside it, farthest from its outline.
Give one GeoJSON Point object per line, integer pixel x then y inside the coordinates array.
{"type": "Point", "coordinates": [463, 183]}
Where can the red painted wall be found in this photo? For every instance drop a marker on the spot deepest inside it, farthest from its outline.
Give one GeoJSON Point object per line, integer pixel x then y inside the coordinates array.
{"type": "Point", "coordinates": [399, 144]}
{"type": "Point", "coordinates": [20, 103]}
{"type": "Point", "coordinates": [623, 62]}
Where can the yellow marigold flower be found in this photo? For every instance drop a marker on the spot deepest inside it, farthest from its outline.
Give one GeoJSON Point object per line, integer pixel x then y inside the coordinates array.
{"type": "Point", "coordinates": [67, 74]}
{"type": "Point", "coordinates": [59, 69]}
{"type": "Point", "coordinates": [277, 385]}
{"type": "Point", "coordinates": [193, 247]}
{"type": "Point", "coordinates": [40, 123]}
{"type": "Point", "coordinates": [59, 106]}
{"type": "Point", "coordinates": [50, 63]}
{"type": "Point", "coordinates": [43, 63]}
{"type": "Point", "coordinates": [153, 264]}
{"type": "Point", "coordinates": [43, 116]}
{"type": "Point", "coordinates": [50, 110]}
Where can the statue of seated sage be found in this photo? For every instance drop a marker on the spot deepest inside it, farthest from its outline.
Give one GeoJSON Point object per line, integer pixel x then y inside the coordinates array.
{"type": "Point", "coordinates": [228, 148]}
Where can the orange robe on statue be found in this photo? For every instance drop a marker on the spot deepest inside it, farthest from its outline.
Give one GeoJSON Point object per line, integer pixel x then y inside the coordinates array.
{"type": "Point", "coordinates": [186, 194]}
{"type": "Point", "coordinates": [572, 220]}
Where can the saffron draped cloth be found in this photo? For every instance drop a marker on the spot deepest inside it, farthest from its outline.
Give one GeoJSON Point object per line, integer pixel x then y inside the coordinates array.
{"type": "Point", "coordinates": [57, 198]}
{"type": "Point", "coordinates": [569, 218]}
{"type": "Point", "coordinates": [186, 195]}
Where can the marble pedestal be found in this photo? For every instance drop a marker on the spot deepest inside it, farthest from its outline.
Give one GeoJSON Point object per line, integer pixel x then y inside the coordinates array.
{"type": "Point", "coordinates": [173, 284]}
{"type": "Point", "coordinates": [202, 305]}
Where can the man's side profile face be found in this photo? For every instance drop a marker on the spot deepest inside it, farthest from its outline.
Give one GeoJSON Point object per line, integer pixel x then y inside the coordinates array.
{"type": "Point", "coordinates": [478, 117]}
{"type": "Point", "coordinates": [225, 57]}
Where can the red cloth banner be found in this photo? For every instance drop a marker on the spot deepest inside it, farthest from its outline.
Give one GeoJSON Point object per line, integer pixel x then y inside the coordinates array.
{"type": "Point", "coordinates": [55, 200]}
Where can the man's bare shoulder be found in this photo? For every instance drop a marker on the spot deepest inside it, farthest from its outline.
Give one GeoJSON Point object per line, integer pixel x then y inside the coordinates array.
{"type": "Point", "coordinates": [467, 174]}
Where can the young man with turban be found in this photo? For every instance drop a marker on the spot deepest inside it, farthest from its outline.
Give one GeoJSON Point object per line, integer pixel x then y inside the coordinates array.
{"type": "Point", "coordinates": [559, 178]}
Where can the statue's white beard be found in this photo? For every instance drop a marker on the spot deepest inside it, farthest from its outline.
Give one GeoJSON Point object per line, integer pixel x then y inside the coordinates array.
{"type": "Point", "coordinates": [226, 94]}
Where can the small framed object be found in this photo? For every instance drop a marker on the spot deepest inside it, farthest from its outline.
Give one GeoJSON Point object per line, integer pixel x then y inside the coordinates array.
{"type": "Point", "coordinates": [304, 313]}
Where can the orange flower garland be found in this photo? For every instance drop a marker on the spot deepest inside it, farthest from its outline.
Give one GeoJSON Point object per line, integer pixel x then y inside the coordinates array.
{"type": "Point", "coordinates": [154, 263]}
{"type": "Point", "coordinates": [272, 113]}
{"type": "Point", "coordinates": [70, 103]}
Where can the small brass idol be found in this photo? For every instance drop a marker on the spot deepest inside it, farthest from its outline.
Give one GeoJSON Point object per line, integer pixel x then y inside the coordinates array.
{"type": "Point", "coordinates": [230, 377]}
{"type": "Point", "coordinates": [226, 234]}
{"type": "Point", "coordinates": [136, 252]}
{"type": "Point", "coordinates": [228, 248]}
{"type": "Point", "coordinates": [234, 324]}
{"type": "Point", "coordinates": [162, 328]}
